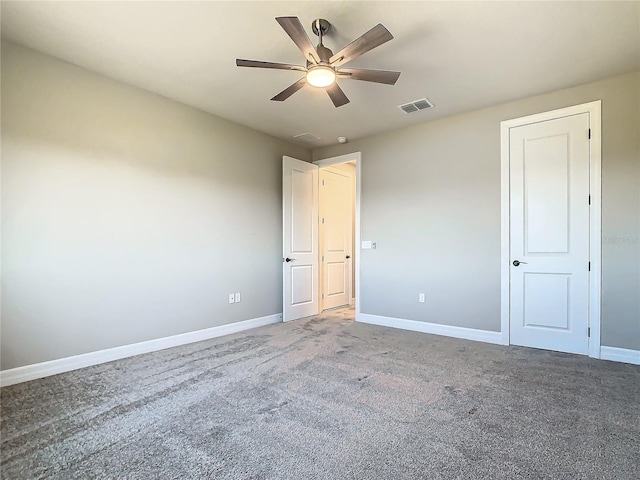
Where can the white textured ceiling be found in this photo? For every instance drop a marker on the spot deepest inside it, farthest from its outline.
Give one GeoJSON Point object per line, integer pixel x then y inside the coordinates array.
{"type": "Point", "coordinates": [461, 55]}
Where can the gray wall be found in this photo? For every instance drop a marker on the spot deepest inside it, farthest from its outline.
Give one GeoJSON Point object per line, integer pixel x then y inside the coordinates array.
{"type": "Point", "coordinates": [431, 201]}
{"type": "Point", "coordinates": [127, 216]}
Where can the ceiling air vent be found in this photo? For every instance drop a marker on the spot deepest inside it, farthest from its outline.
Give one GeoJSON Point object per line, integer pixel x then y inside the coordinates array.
{"type": "Point", "coordinates": [307, 137]}
{"type": "Point", "coordinates": [416, 105]}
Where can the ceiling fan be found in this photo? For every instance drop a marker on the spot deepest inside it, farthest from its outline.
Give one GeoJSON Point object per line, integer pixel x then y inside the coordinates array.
{"type": "Point", "coordinates": [323, 67]}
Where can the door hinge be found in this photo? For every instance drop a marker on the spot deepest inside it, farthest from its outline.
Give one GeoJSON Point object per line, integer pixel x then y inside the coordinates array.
{"type": "Point", "coordinates": [322, 219]}
{"type": "Point", "coordinates": [589, 199]}
{"type": "Point", "coordinates": [323, 258]}
{"type": "Point", "coordinates": [323, 296]}
{"type": "Point", "coordinates": [589, 266]}
{"type": "Point", "coordinates": [323, 180]}
{"type": "Point", "coordinates": [589, 134]}
{"type": "Point", "coordinates": [589, 332]}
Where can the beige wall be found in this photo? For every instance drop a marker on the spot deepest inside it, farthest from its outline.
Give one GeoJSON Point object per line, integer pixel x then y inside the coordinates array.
{"type": "Point", "coordinates": [431, 201]}
{"type": "Point", "coordinates": [126, 216]}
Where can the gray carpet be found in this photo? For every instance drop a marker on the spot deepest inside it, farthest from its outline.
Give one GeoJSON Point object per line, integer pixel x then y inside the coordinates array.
{"type": "Point", "coordinates": [327, 398]}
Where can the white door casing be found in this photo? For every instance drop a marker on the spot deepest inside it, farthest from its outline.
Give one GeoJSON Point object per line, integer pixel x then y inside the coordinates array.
{"type": "Point", "coordinates": [336, 225]}
{"type": "Point", "coordinates": [552, 181]}
{"type": "Point", "coordinates": [300, 239]}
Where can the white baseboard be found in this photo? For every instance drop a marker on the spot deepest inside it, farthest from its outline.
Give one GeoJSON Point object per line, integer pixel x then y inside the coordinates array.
{"type": "Point", "coordinates": [53, 367]}
{"type": "Point", "coordinates": [434, 328]}
{"type": "Point", "coordinates": [616, 354]}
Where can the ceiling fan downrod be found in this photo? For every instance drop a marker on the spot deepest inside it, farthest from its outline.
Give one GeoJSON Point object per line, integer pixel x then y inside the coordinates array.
{"type": "Point", "coordinates": [321, 27]}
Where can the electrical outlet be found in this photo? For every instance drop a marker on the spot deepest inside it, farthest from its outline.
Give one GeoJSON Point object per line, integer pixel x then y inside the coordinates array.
{"type": "Point", "coordinates": [232, 298]}
{"type": "Point", "coordinates": [421, 297]}
{"type": "Point", "coordinates": [238, 297]}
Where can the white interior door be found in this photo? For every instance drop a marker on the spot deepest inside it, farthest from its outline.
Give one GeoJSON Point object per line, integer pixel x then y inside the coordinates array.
{"type": "Point", "coordinates": [300, 238]}
{"type": "Point", "coordinates": [336, 225]}
{"type": "Point", "coordinates": [549, 229]}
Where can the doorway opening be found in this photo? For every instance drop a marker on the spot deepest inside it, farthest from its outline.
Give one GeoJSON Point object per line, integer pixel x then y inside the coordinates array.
{"type": "Point", "coordinates": [338, 231]}
{"type": "Point", "coordinates": [302, 258]}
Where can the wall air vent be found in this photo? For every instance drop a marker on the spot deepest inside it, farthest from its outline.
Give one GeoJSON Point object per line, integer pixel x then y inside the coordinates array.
{"type": "Point", "coordinates": [416, 105]}
{"type": "Point", "coordinates": [307, 137]}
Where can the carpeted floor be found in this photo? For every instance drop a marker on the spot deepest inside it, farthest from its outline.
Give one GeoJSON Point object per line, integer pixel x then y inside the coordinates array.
{"type": "Point", "coordinates": [327, 398]}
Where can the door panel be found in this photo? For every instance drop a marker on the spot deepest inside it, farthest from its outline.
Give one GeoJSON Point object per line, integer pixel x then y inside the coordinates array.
{"type": "Point", "coordinates": [301, 284]}
{"type": "Point", "coordinates": [336, 227]}
{"type": "Point", "coordinates": [549, 181]}
{"type": "Point", "coordinates": [546, 300]}
{"type": "Point", "coordinates": [302, 210]}
{"type": "Point", "coordinates": [336, 275]}
{"type": "Point", "coordinates": [300, 238]}
{"type": "Point", "coordinates": [546, 196]}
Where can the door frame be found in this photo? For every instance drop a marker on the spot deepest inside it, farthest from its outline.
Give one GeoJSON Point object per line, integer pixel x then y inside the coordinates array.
{"type": "Point", "coordinates": [357, 157]}
{"type": "Point", "coordinates": [593, 109]}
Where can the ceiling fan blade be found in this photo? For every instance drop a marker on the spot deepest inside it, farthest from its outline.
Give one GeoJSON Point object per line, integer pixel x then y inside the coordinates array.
{"type": "Point", "coordinates": [368, 41]}
{"type": "Point", "coordinates": [378, 76]}
{"type": "Point", "coordinates": [290, 90]}
{"type": "Point", "coordinates": [337, 95]}
{"type": "Point", "coordinates": [296, 31]}
{"type": "Point", "coordinates": [280, 66]}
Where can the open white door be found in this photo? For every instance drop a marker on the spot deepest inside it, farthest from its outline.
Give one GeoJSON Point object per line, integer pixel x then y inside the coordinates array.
{"type": "Point", "coordinates": [300, 238]}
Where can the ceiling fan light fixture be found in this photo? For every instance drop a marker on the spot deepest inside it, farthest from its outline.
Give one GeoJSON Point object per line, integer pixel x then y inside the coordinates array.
{"type": "Point", "coordinates": [321, 76]}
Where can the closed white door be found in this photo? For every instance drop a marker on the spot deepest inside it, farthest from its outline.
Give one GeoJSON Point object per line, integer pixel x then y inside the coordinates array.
{"type": "Point", "coordinates": [336, 224]}
{"type": "Point", "coordinates": [549, 228]}
{"type": "Point", "coordinates": [300, 238]}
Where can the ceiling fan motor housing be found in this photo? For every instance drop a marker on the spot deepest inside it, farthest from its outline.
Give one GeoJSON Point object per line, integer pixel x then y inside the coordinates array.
{"type": "Point", "coordinates": [324, 53]}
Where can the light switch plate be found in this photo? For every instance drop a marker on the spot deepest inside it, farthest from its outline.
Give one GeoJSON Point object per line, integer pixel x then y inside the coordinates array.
{"type": "Point", "coordinates": [232, 298]}
{"type": "Point", "coordinates": [366, 244]}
